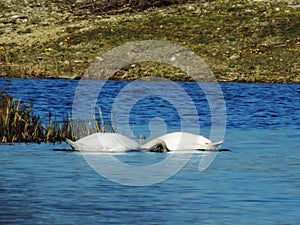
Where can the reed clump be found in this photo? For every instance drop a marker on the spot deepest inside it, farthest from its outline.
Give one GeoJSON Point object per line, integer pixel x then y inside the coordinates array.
{"type": "Point", "coordinates": [58, 132]}
{"type": "Point", "coordinates": [19, 124]}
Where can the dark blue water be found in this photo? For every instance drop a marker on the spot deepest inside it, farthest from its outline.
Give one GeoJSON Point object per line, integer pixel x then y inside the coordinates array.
{"type": "Point", "coordinates": [257, 182]}
{"type": "Point", "coordinates": [248, 106]}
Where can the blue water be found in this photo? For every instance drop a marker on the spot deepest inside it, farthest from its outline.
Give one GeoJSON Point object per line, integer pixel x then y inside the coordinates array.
{"type": "Point", "coordinates": [257, 182]}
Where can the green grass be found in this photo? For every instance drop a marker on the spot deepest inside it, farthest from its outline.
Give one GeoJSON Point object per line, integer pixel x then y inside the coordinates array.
{"type": "Point", "coordinates": [234, 38]}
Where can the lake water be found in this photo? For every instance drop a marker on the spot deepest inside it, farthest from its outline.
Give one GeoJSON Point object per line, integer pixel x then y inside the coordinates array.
{"type": "Point", "coordinates": [256, 182]}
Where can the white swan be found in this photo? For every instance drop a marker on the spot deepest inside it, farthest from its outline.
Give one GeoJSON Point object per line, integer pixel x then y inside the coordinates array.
{"type": "Point", "coordinates": [187, 141]}
{"type": "Point", "coordinates": [104, 142]}
{"type": "Point", "coordinates": [114, 142]}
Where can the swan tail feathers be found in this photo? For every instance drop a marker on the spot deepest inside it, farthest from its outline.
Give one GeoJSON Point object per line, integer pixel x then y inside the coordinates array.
{"type": "Point", "coordinates": [73, 144]}
{"type": "Point", "coordinates": [216, 144]}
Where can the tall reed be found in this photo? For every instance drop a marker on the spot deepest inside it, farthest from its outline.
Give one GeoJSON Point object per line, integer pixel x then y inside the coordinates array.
{"type": "Point", "coordinates": [19, 124]}
{"type": "Point", "coordinates": [16, 121]}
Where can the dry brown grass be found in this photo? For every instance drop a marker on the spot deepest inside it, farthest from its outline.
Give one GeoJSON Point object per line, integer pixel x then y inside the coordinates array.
{"type": "Point", "coordinates": [19, 124]}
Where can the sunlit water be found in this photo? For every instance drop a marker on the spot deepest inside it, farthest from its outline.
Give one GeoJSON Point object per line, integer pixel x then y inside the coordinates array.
{"type": "Point", "coordinates": [257, 182]}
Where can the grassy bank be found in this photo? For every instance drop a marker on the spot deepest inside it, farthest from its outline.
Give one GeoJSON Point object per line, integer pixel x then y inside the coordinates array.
{"type": "Point", "coordinates": [243, 41]}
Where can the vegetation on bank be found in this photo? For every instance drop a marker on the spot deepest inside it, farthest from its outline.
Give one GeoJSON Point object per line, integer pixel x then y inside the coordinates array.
{"type": "Point", "coordinates": [243, 40]}
{"type": "Point", "coordinates": [19, 124]}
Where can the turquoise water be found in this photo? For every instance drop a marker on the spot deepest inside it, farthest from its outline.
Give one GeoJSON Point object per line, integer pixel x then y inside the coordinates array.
{"type": "Point", "coordinates": [257, 182]}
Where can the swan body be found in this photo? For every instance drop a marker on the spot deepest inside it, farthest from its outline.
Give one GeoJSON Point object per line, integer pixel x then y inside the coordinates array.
{"type": "Point", "coordinates": [187, 141]}
{"type": "Point", "coordinates": [114, 142]}
{"type": "Point", "coordinates": [104, 142]}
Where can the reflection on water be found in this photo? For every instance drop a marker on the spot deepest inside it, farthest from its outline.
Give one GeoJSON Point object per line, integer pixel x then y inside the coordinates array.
{"type": "Point", "coordinates": [257, 182]}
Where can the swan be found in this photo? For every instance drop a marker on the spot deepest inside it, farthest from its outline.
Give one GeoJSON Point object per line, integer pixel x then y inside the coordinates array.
{"type": "Point", "coordinates": [104, 142]}
{"type": "Point", "coordinates": [114, 142]}
{"type": "Point", "coordinates": [182, 141]}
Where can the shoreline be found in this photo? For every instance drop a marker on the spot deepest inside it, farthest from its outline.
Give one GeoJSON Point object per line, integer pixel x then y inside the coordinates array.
{"type": "Point", "coordinates": [245, 41]}
{"type": "Point", "coordinates": [146, 80]}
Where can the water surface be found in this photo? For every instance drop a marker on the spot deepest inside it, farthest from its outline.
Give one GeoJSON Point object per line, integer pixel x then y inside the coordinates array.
{"type": "Point", "coordinates": [257, 182]}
